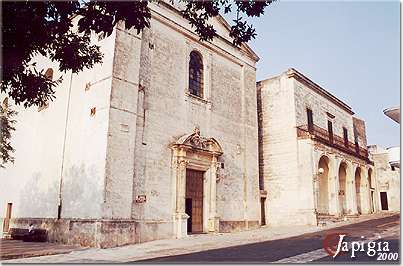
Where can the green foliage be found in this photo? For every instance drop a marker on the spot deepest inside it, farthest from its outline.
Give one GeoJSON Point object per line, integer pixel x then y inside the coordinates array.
{"type": "Point", "coordinates": [199, 12]}
{"type": "Point", "coordinates": [6, 127]}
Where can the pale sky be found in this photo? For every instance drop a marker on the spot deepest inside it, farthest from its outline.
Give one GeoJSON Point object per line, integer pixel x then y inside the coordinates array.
{"type": "Point", "coordinates": [350, 48]}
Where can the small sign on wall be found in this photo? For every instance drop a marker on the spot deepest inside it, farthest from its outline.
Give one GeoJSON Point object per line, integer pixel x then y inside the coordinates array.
{"type": "Point", "coordinates": [141, 198]}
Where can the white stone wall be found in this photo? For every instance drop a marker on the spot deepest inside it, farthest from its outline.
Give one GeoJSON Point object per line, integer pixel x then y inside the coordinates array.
{"type": "Point", "coordinates": [289, 192]}
{"type": "Point", "coordinates": [62, 142]}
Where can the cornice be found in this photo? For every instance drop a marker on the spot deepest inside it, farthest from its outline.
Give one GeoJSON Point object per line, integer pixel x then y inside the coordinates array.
{"type": "Point", "coordinates": [293, 73]}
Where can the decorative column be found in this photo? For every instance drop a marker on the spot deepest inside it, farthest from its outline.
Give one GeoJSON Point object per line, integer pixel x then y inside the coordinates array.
{"type": "Point", "coordinates": [352, 199]}
{"type": "Point", "coordinates": [315, 183]}
{"type": "Point", "coordinates": [338, 203]}
{"type": "Point", "coordinates": [367, 192]}
{"type": "Point", "coordinates": [333, 186]}
{"type": "Point", "coordinates": [213, 221]}
{"type": "Point", "coordinates": [180, 215]}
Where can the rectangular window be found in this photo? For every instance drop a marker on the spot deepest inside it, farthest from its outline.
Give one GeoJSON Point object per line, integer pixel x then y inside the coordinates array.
{"type": "Point", "coordinates": [330, 130]}
{"type": "Point", "coordinates": [310, 118]}
{"type": "Point", "coordinates": [345, 135]}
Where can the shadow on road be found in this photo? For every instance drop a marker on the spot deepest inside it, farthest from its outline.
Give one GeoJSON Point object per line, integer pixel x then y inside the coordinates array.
{"type": "Point", "coordinates": [273, 250]}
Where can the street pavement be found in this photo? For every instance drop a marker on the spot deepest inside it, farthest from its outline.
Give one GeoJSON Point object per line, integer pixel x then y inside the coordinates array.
{"type": "Point", "coordinates": [301, 249]}
{"type": "Point", "coordinates": [266, 244]}
{"type": "Point", "coordinates": [11, 249]}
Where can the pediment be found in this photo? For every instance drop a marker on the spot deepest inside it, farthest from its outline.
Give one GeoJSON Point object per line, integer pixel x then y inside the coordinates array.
{"type": "Point", "coordinates": [195, 141]}
{"type": "Point", "coordinates": [219, 23]}
{"type": "Point", "coordinates": [223, 29]}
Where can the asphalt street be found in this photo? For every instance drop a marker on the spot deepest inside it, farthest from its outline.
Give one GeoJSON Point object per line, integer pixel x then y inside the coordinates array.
{"type": "Point", "coordinates": [306, 247]}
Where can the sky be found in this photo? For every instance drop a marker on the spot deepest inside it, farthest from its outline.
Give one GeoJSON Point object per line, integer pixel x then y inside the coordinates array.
{"type": "Point", "coordinates": [350, 48]}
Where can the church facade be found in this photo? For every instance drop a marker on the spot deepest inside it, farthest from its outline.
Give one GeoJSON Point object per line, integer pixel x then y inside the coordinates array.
{"type": "Point", "coordinates": [159, 141]}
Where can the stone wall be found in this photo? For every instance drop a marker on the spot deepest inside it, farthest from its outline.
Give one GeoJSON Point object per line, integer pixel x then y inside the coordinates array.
{"type": "Point", "coordinates": [62, 145]}
{"type": "Point", "coordinates": [84, 232]}
{"type": "Point", "coordinates": [166, 112]}
{"type": "Point", "coordinates": [289, 194]}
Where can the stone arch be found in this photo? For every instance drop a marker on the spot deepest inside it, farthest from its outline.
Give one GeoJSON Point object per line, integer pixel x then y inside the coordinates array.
{"type": "Point", "coordinates": [343, 188]}
{"type": "Point", "coordinates": [323, 185]}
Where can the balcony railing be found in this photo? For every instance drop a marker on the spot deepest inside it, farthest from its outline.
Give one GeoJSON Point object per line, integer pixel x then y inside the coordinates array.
{"type": "Point", "coordinates": [334, 141]}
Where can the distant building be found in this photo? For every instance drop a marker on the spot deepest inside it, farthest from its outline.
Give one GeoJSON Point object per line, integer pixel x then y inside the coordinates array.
{"type": "Point", "coordinates": [313, 161]}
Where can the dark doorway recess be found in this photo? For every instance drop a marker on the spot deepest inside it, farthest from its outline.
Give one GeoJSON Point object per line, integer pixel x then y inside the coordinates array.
{"type": "Point", "coordinates": [384, 201]}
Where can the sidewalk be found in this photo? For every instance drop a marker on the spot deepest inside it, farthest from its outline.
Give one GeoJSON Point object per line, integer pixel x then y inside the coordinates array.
{"type": "Point", "coordinates": [190, 244]}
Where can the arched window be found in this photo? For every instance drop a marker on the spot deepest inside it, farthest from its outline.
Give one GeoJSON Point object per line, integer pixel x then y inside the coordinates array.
{"type": "Point", "coordinates": [196, 74]}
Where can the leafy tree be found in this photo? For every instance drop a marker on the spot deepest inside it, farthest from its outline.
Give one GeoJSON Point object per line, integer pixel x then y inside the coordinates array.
{"type": "Point", "coordinates": [6, 126]}
{"type": "Point", "coordinates": [45, 27]}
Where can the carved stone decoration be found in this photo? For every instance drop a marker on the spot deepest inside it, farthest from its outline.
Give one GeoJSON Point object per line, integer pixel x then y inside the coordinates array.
{"type": "Point", "coordinates": [198, 142]}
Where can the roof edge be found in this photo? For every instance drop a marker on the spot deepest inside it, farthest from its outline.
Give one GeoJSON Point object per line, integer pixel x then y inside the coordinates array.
{"type": "Point", "coordinates": [293, 73]}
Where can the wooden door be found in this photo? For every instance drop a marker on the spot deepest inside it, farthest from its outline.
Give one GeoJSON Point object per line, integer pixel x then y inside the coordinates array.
{"type": "Point", "coordinates": [194, 200]}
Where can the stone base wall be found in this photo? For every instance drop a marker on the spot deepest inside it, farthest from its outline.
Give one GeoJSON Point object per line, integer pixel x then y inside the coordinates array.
{"type": "Point", "coordinates": [298, 217]}
{"type": "Point", "coordinates": [154, 230]}
{"type": "Point", "coordinates": [103, 233]}
{"type": "Point", "coordinates": [84, 232]}
{"type": "Point", "coordinates": [100, 233]}
{"type": "Point", "coordinates": [236, 226]}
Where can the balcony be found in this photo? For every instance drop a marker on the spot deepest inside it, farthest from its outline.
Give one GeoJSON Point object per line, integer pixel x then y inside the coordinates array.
{"type": "Point", "coordinates": [322, 135]}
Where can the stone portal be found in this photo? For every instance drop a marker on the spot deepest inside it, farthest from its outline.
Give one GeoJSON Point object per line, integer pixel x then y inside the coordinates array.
{"type": "Point", "coordinates": [195, 176]}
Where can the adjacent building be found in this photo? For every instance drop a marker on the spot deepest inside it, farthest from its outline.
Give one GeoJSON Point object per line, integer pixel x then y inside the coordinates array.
{"type": "Point", "coordinates": [159, 141]}
{"type": "Point", "coordinates": [387, 169]}
{"type": "Point", "coordinates": [313, 157]}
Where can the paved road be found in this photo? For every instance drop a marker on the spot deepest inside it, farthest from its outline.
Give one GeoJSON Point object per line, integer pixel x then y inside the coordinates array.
{"type": "Point", "coordinates": [12, 249]}
{"type": "Point", "coordinates": [303, 248]}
